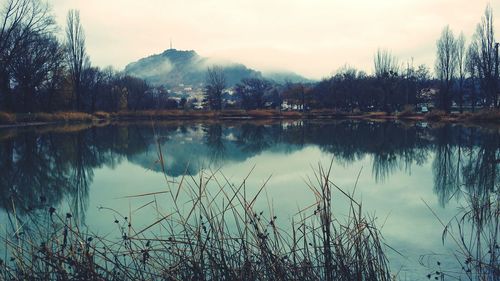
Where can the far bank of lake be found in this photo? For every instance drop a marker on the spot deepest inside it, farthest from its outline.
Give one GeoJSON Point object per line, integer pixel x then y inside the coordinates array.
{"type": "Point", "coordinates": [42, 118]}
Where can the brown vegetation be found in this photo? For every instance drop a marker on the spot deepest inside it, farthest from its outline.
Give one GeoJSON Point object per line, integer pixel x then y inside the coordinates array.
{"type": "Point", "coordinates": [7, 118]}
{"type": "Point", "coordinates": [409, 110]}
{"type": "Point", "coordinates": [482, 116]}
{"type": "Point", "coordinates": [220, 236]}
{"type": "Point", "coordinates": [435, 115]}
{"type": "Point", "coordinates": [102, 115]}
{"type": "Point", "coordinates": [66, 116]}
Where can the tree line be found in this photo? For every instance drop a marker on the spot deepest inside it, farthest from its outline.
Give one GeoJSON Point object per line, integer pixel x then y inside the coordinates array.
{"type": "Point", "coordinates": [463, 76]}
{"type": "Point", "coordinates": [472, 69]}
{"type": "Point", "coordinates": [39, 71]}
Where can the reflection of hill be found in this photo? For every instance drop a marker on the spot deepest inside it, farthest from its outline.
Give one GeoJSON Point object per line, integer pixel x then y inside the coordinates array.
{"type": "Point", "coordinates": [187, 151]}
{"type": "Point", "coordinates": [38, 170]}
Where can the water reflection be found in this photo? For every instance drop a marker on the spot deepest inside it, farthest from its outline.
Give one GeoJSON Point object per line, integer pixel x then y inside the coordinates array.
{"type": "Point", "coordinates": [40, 168]}
{"type": "Point", "coordinates": [466, 162]}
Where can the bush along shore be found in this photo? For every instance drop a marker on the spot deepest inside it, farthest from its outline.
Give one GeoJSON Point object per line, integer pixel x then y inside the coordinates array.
{"type": "Point", "coordinates": [12, 119]}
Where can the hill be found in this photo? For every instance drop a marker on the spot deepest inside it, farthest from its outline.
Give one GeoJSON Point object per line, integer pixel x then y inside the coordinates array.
{"type": "Point", "coordinates": [174, 67]}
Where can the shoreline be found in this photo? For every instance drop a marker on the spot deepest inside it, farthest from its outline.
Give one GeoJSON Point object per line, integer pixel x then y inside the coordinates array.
{"type": "Point", "coordinates": [13, 120]}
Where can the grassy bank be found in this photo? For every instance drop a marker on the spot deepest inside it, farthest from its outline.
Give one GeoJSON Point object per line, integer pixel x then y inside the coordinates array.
{"type": "Point", "coordinates": [43, 117]}
{"type": "Point", "coordinates": [483, 116]}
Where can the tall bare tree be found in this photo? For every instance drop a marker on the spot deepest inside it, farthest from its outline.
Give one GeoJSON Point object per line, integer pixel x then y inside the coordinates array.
{"type": "Point", "coordinates": [385, 63]}
{"type": "Point", "coordinates": [487, 56]}
{"type": "Point", "coordinates": [386, 71]}
{"type": "Point", "coordinates": [446, 66]}
{"type": "Point", "coordinates": [76, 54]}
{"type": "Point", "coordinates": [460, 46]}
{"type": "Point", "coordinates": [215, 85]}
{"type": "Point", "coordinates": [471, 63]}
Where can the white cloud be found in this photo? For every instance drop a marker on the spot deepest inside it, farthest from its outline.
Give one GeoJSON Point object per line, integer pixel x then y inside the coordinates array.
{"type": "Point", "coordinates": [312, 37]}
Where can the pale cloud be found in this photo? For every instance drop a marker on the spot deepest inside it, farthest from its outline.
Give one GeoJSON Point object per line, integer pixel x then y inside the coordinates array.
{"type": "Point", "coordinates": [311, 37]}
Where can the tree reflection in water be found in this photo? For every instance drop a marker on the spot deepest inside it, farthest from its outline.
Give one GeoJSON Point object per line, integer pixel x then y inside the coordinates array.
{"type": "Point", "coordinates": [44, 168]}
{"type": "Point", "coordinates": [466, 162]}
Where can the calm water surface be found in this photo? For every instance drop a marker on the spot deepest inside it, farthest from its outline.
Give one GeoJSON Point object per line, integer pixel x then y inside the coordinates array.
{"type": "Point", "coordinates": [89, 171]}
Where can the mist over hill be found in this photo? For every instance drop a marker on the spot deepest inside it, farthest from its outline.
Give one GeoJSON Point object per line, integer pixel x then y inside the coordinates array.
{"type": "Point", "coordinates": [174, 67]}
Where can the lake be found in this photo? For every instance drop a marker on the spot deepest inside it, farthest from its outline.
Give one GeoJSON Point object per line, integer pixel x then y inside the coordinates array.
{"type": "Point", "coordinates": [400, 172]}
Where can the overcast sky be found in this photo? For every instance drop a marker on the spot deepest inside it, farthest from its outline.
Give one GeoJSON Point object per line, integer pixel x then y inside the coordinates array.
{"type": "Point", "coordinates": [310, 37]}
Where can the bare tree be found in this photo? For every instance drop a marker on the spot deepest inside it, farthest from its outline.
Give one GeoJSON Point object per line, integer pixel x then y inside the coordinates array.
{"type": "Point", "coordinates": [76, 54]}
{"type": "Point", "coordinates": [386, 70]}
{"type": "Point", "coordinates": [471, 63]}
{"type": "Point", "coordinates": [91, 81]}
{"type": "Point", "coordinates": [33, 69]}
{"type": "Point", "coordinates": [422, 75]}
{"type": "Point", "coordinates": [460, 46]}
{"type": "Point", "coordinates": [484, 37]}
{"type": "Point", "coordinates": [252, 91]}
{"type": "Point", "coordinates": [385, 63]}
{"type": "Point", "coordinates": [215, 85]}
{"type": "Point", "coordinates": [19, 19]}
{"type": "Point", "coordinates": [446, 66]}
{"type": "Point", "coordinates": [57, 80]}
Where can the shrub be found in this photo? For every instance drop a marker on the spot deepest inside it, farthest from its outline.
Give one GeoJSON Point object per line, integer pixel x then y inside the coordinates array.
{"type": "Point", "coordinates": [435, 115]}
{"type": "Point", "coordinates": [7, 118]}
{"type": "Point", "coordinates": [71, 116]}
{"type": "Point", "coordinates": [291, 114]}
{"type": "Point", "coordinates": [377, 113]}
{"type": "Point", "coordinates": [102, 115]}
{"type": "Point", "coordinates": [40, 117]}
{"type": "Point", "coordinates": [408, 110]}
{"type": "Point", "coordinates": [261, 113]}
{"type": "Point", "coordinates": [486, 115]}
